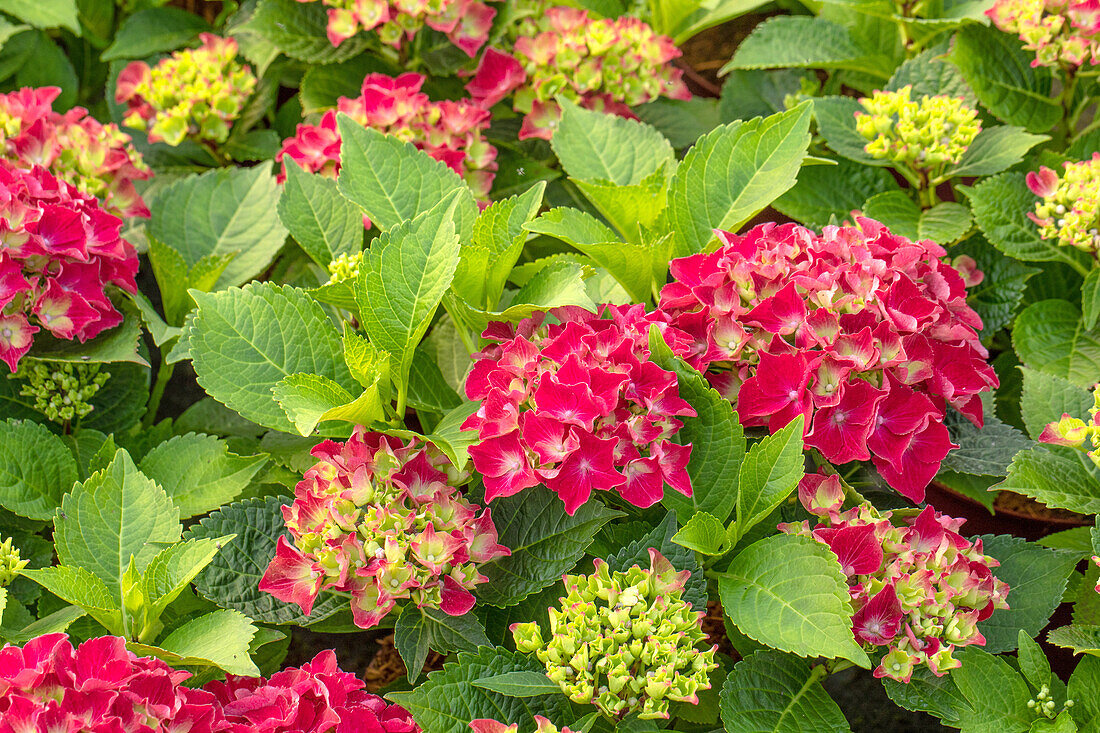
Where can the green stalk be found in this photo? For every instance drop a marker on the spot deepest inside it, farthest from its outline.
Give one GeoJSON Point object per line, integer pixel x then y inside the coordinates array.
{"type": "Point", "coordinates": [163, 375]}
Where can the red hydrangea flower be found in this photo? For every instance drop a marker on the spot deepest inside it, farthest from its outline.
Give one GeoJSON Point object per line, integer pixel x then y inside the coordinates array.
{"type": "Point", "coordinates": [60, 252]}
{"type": "Point", "coordinates": [607, 64]}
{"type": "Point", "coordinates": [574, 403]}
{"type": "Point", "coordinates": [316, 698]}
{"type": "Point", "coordinates": [864, 333]}
{"type": "Point", "coordinates": [449, 131]}
{"type": "Point", "coordinates": [466, 23]}
{"type": "Point", "coordinates": [918, 588]}
{"type": "Point", "coordinates": [96, 158]}
{"type": "Point", "coordinates": [381, 520]}
{"type": "Point", "coordinates": [98, 687]}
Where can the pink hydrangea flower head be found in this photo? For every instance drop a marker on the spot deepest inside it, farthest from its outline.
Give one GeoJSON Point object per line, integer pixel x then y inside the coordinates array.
{"type": "Point", "coordinates": [1062, 33]}
{"type": "Point", "coordinates": [383, 521]}
{"type": "Point", "coordinates": [60, 253]}
{"type": "Point", "coordinates": [196, 93]}
{"type": "Point", "coordinates": [95, 158]}
{"type": "Point", "coordinates": [1069, 209]}
{"type": "Point", "coordinates": [919, 588]}
{"type": "Point", "coordinates": [449, 131]}
{"type": "Point", "coordinates": [570, 400]}
{"type": "Point", "coordinates": [466, 23]}
{"type": "Point", "coordinates": [484, 725]}
{"type": "Point", "coordinates": [1073, 432]}
{"type": "Point", "coordinates": [863, 333]}
{"type": "Point", "coordinates": [606, 64]}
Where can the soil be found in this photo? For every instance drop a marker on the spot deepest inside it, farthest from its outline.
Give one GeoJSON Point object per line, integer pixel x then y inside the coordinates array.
{"type": "Point", "coordinates": [709, 51]}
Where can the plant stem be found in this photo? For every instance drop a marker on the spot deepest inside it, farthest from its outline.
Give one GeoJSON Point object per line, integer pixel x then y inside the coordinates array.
{"type": "Point", "coordinates": [163, 375]}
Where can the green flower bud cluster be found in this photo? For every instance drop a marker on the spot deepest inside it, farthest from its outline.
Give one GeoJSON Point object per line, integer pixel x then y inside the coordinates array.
{"type": "Point", "coordinates": [345, 266]}
{"type": "Point", "coordinates": [63, 391]}
{"type": "Point", "coordinates": [1043, 703]}
{"type": "Point", "coordinates": [10, 564]}
{"type": "Point", "coordinates": [624, 641]}
{"type": "Point", "coordinates": [924, 135]}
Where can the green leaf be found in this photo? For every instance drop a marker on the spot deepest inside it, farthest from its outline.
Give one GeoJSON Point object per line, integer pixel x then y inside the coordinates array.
{"type": "Point", "coordinates": [836, 122]}
{"type": "Point", "coordinates": [219, 639]}
{"type": "Point", "coordinates": [930, 74]}
{"type": "Point", "coordinates": [682, 121]}
{"type": "Point", "coordinates": [827, 193]}
{"type": "Point", "coordinates": [660, 538]}
{"type": "Point", "coordinates": [999, 71]}
{"type": "Point", "coordinates": [419, 630]}
{"type": "Point", "coordinates": [716, 437]}
{"type": "Point", "coordinates": [308, 399]}
{"type": "Point", "coordinates": [231, 578]}
{"type": "Point", "coordinates": [997, 298]}
{"type": "Point", "coordinates": [749, 93]}
{"type": "Point", "coordinates": [173, 569]}
{"type": "Point", "coordinates": [732, 173]}
{"type": "Point", "coordinates": [51, 14]}
{"type": "Point", "coordinates": [449, 700]}
{"type": "Point", "coordinates": [519, 684]}
{"type": "Point", "coordinates": [705, 534]}
{"type": "Point", "coordinates": [36, 469]}
{"type": "Point", "coordinates": [37, 61]}
{"type": "Point", "coordinates": [1000, 205]}
{"type": "Point", "coordinates": [199, 473]}
{"type": "Point", "coordinates": [319, 218]}
{"type": "Point", "coordinates": [322, 86]}
{"type": "Point", "coordinates": [544, 540]}
{"type": "Point", "coordinates": [944, 223]}
{"type": "Point", "coordinates": [896, 210]}
{"type": "Point", "coordinates": [428, 389]}
{"type": "Point", "coordinates": [393, 181]}
{"type": "Point", "coordinates": [996, 694]}
{"type": "Point", "coordinates": [298, 30]}
{"type": "Point", "coordinates": [1036, 577]}
{"type": "Point", "coordinates": [1033, 661]}
{"type": "Point", "coordinates": [769, 473]}
{"type": "Point", "coordinates": [1047, 397]}
{"type": "Point", "coordinates": [220, 212]}
{"type": "Point", "coordinates": [779, 693]}
{"type": "Point", "coordinates": [1083, 683]}
{"type": "Point", "coordinates": [154, 30]}
{"type": "Point", "coordinates": [1049, 336]}
{"type": "Point", "coordinates": [118, 344]}
{"type": "Point", "coordinates": [597, 147]}
{"type": "Point", "coordinates": [925, 692]}
{"type": "Point", "coordinates": [630, 209]}
{"type": "Point", "coordinates": [558, 283]}
{"type": "Point", "coordinates": [805, 42]}
{"type": "Point", "coordinates": [1081, 639]}
{"type": "Point", "coordinates": [244, 341]}
{"type": "Point", "coordinates": [402, 280]}
{"type": "Point", "coordinates": [54, 623]}
{"type": "Point", "coordinates": [81, 588]}
{"type": "Point", "coordinates": [1062, 478]}
{"type": "Point", "coordinates": [995, 149]}
{"type": "Point", "coordinates": [1090, 298]}
{"type": "Point", "coordinates": [985, 451]}
{"type": "Point", "coordinates": [766, 594]}
{"type": "Point", "coordinates": [486, 259]}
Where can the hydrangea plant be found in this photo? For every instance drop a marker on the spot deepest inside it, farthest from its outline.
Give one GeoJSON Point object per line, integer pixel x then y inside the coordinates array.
{"type": "Point", "coordinates": [63, 391]}
{"type": "Point", "coordinates": [465, 22]}
{"type": "Point", "coordinates": [1069, 212]}
{"type": "Point", "coordinates": [1061, 33]}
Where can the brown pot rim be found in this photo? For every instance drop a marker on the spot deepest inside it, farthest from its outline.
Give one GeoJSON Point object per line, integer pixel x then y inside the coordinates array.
{"type": "Point", "coordinates": [1060, 521]}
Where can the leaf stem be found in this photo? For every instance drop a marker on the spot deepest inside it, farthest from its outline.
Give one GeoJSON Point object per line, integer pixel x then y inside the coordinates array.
{"type": "Point", "coordinates": [164, 373]}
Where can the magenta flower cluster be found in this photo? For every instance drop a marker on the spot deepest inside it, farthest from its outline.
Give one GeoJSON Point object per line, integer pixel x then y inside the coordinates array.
{"type": "Point", "coordinates": [864, 333]}
{"type": "Point", "coordinates": [96, 158]}
{"type": "Point", "coordinates": [382, 521]}
{"type": "Point", "coordinates": [449, 131]}
{"type": "Point", "coordinates": [101, 687]}
{"type": "Point", "coordinates": [60, 253]}
{"type": "Point", "coordinates": [918, 589]}
{"type": "Point", "coordinates": [571, 400]}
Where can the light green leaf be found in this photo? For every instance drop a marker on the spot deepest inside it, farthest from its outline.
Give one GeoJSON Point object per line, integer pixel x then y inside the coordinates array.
{"type": "Point", "coordinates": [298, 30]}
{"type": "Point", "coordinates": [394, 182]}
{"type": "Point", "coordinates": [703, 533]}
{"type": "Point", "coordinates": [772, 692]}
{"type": "Point", "coordinates": [54, 623]}
{"type": "Point", "coordinates": [766, 595]}
{"type": "Point", "coordinates": [243, 341]}
{"type": "Point", "coordinates": [403, 278]}
{"type": "Point", "coordinates": [544, 540]}
{"type": "Point", "coordinates": [897, 211]}
{"type": "Point", "coordinates": [308, 399]}
{"type": "Point", "coordinates": [173, 569]}
{"type": "Point", "coordinates": [1047, 397]}
{"type": "Point", "coordinates": [44, 13]}
{"type": "Point", "coordinates": [1037, 578]}
{"type": "Point", "coordinates": [631, 209]}
{"type": "Point", "coordinates": [154, 30]}
{"type": "Point", "coordinates": [1081, 639]}
{"type": "Point", "coordinates": [1059, 477]}
{"type": "Point", "coordinates": [1033, 661]}
{"type": "Point", "coordinates": [732, 173]}
{"type": "Point", "coordinates": [219, 639]}
{"type": "Point", "coordinates": [995, 149]}
{"type": "Point", "coordinates": [1081, 689]}
{"type": "Point", "coordinates": [1049, 336]}
{"type": "Point", "coordinates": [996, 694]}
{"type": "Point", "coordinates": [81, 588]}
{"type": "Point", "coordinates": [999, 71]}
{"type": "Point", "coordinates": [199, 473]}
{"type": "Point", "coordinates": [945, 223]}
{"type": "Point", "coordinates": [319, 218]}
{"type": "Point", "coordinates": [1090, 298]}
{"type": "Point", "coordinates": [419, 630]}
{"type": "Point", "coordinates": [769, 473]}
{"type": "Point", "coordinates": [837, 124]}
{"type": "Point", "coordinates": [220, 212]}
{"type": "Point", "coordinates": [805, 42]}
{"type": "Point", "coordinates": [116, 514]}
{"type": "Point", "coordinates": [602, 148]}
{"type": "Point", "coordinates": [161, 332]}
{"type": "Point", "coordinates": [519, 684]}
{"type": "Point", "coordinates": [36, 469]}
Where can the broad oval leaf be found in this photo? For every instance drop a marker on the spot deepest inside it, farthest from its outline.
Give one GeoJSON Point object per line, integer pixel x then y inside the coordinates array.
{"type": "Point", "coordinates": [772, 692]}
{"type": "Point", "coordinates": [36, 469]}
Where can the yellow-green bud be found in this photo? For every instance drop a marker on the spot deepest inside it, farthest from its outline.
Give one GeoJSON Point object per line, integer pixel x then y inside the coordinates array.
{"type": "Point", "coordinates": [62, 391]}
{"type": "Point", "coordinates": [10, 563]}
{"type": "Point", "coordinates": [345, 266]}
{"type": "Point", "coordinates": [925, 135]}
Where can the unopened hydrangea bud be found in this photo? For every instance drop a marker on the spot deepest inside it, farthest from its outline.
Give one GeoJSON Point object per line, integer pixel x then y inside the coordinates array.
{"type": "Point", "coordinates": [195, 93]}
{"type": "Point", "coordinates": [63, 391]}
{"type": "Point", "coordinates": [1063, 33]}
{"type": "Point", "coordinates": [927, 135]}
{"type": "Point", "coordinates": [593, 656]}
{"type": "Point", "coordinates": [346, 266]}
{"type": "Point", "coordinates": [10, 563]}
{"type": "Point", "coordinates": [1070, 208]}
